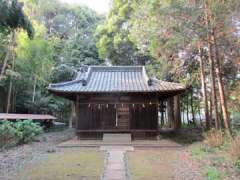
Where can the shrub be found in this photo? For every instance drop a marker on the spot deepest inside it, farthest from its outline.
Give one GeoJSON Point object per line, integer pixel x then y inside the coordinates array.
{"type": "Point", "coordinates": [214, 138]}
{"type": "Point", "coordinates": [19, 132]}
{"type": "Point", "coordinates": [9, 136]}
{"type": "Point", "coordinates": [237, 164]}
{"type": "Point", "coordinates": [27, 130]}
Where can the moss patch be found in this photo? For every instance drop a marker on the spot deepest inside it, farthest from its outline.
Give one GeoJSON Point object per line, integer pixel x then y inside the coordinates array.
{"type": "Point", "coordinates": [67, 165]}
{"type": "Point", "coordinates": [200, 151]}
{"type": "Point", "coordinates": [212, 173]}
{"type": "Point", "coordinates": [151, 165]}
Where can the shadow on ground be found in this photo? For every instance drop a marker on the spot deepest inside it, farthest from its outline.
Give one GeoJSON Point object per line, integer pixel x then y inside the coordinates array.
{"type": "Point", "coordinates": [184, 136]}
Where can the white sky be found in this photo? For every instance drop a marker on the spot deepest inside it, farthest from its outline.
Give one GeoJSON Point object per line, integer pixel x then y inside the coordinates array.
{"type": "Point", "coordinates": [101, 6]}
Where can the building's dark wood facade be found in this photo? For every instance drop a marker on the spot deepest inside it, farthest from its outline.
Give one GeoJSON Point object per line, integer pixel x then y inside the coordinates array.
{"type": "Point", "coordinates": [116, 100]}
{"type": "Point", "coordinates": [114, 113]}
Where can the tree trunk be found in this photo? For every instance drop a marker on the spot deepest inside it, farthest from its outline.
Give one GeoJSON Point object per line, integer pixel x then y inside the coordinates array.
{"type": "Point", "coordinates": [4, 65]}
{"type": "Point", "coordinates": [210, 111]}
{"type": "Point", "coordinates": [188, 119]}
{"type": "Point", "coordinates": [182, 112]}
{"type": "Point", "coordinates": [204, 88]}
{"type": "Point", "coordinates": [9, 51]}
{"type": "Point", "coordinates": [213, 86]}
{"type": "Point", "coordinates": [192, 108]}
{"type": "Point", "coordinates": [212, 71]}
{"type": "Point", "coordinates": [223, 101]}
{"type": "Point", "coordinates": [34, 88]}
{"type": "Point", "coordinates": [199, 115]}
{"type": "Point", "coordinates": [9, 96]}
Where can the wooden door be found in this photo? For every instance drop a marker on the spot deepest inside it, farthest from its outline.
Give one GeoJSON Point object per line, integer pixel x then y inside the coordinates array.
{"type": "Point", "coordinates": [108, 116]}
{"type": "Point", "coordinates": [122, 117]}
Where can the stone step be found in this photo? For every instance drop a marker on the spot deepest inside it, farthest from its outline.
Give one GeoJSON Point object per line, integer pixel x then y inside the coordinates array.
{"type": "Point", "coordinates": [118, 137]}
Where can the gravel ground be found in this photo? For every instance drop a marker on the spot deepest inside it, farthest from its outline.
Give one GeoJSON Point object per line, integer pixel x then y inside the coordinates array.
{"type": "Point", "coordinates": [173, 163]}
{"type": "Point", "coordinates": [162, 163]}
{"type": "Point", "coordinates": [186, 168]}
{"type": "Point", "coordinates": [14, 159]}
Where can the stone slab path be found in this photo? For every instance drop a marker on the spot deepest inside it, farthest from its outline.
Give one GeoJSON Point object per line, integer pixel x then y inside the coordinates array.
{"type": "Point", "coordinates": [115, 166]}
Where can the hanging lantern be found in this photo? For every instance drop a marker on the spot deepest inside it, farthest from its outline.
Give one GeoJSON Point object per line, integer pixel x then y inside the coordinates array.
{"type": "Point", "coordinates": [150, 103]}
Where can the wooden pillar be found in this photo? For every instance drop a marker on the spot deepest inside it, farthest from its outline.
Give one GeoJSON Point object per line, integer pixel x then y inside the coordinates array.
{"type": "Point", "coordinates": [170, 112]}
{"type": "Point", "coordinates": [77, 112]}
{"type": "Point", "coordinates": [162, 112]}
{"type": "Point", "coordinates": [177, 112]}
{"type": "Point", "coordinates": [73, 114]}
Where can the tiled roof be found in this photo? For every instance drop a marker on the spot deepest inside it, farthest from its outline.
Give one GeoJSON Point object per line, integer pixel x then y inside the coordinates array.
{"type": "Point", "coordinates": [108, 79]}
{"type": "Point", "coordinates": [26, 116]}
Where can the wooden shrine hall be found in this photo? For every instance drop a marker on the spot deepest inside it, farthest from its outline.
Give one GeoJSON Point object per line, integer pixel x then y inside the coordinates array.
{"type": "Point", "coordinates": [120, 99]}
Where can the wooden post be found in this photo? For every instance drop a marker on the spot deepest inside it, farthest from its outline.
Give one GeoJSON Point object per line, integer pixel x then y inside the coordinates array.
{"type": "Point", "coordinates": [73, 114]}
{"type": "Point", "coordinates": [170, 111]}
{"type": "Point", "coordinates": [177, 112]}
{"type": "Point", "coordinates": [77, 112]}
{"type": "Point", "coordinates": [162, 112]}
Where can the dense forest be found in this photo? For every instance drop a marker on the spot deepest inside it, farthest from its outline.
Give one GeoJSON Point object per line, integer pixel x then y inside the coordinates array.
{"type": "Point", "coordinates": [194, 42]}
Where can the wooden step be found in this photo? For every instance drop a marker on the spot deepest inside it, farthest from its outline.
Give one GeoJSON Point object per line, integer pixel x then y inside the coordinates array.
{"type": "Point", "coordinates": [118, 137]}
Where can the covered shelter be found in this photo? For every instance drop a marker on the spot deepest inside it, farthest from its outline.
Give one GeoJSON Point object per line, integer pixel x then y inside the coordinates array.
{"type": "Point", "coordinates": [120, 99]}
{"type": "Point", "coordinates": [44, 119]}
{"type": "Point", "coordinates": [12, 116]}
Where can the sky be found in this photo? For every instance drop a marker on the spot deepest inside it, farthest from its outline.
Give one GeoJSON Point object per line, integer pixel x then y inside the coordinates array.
{"type": "Point", "coordinates": [100, 6]}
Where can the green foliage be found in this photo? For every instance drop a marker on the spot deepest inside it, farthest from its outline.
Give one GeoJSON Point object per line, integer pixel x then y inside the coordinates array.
{"type": "Point", "coordinates": [237, 164]}
{"type": "Point", "coordinates": [9, 136]}
{"type": "Point", "coordinates": [34, 65]}
{"type": "Point", "coordinates": [64, 40]}
{"type": "Point", "coordinates": [13, 133]}
{"type": "Point", "coordinates": [163, 35]}
{"type": "Point", "coordinates": [200, 151]}
{"type": "Point", "coordinates": [12, 17]}
{"type": "Point", "coordinates": [113, 37]}
{"type": "Point", "coordinates": [212, 173]}
{"type": "Point", "coordinates": [74, 26]}
{"type": "Point", "coordinates": [27, 130]}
